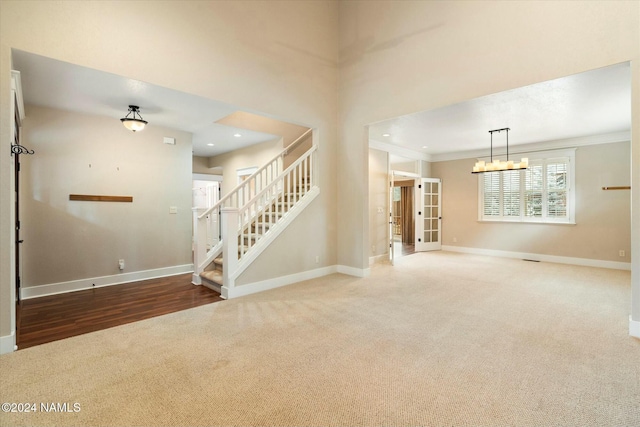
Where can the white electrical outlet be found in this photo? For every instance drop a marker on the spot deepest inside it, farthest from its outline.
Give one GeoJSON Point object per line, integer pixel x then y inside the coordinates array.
{"type": "Point", "coordinates": [455, 240]}
{"type": "Point", "coordinates": [121, 264]}
{"type": "Point", "coordinates": [373, 248]}
{"type": "Point", "coordinates": [621, 252]}
{"type": "Point", "coordinates": [317, 259]}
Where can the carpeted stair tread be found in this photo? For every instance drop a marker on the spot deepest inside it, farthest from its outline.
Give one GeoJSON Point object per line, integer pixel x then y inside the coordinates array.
{"type": "Point", "coordinates": [214, 276]}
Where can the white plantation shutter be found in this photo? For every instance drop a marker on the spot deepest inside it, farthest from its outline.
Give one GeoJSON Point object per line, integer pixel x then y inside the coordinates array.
{"type": "Point", "coordinates": [557, 188]}
{"type": "Point", "coordinates": [541, 193]}
{"type": "Point", "coordinates": [533, 195]}
{"type": "Point", "coordinates": [511, 194]}
{"type": "Point", "coordinates": [491, 194]}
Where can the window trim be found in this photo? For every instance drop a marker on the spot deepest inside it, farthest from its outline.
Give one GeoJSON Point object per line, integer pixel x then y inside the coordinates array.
{"type": "Point", "coordinates": [535, 157]}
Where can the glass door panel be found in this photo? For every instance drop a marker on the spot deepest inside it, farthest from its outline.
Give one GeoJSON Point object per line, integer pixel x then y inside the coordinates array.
{"type": "Point", "coordinates": [428, 229]}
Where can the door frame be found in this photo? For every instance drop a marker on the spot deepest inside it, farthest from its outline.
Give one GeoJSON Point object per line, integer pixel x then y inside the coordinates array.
{"type": "Point", "coordinates": [391, 179]}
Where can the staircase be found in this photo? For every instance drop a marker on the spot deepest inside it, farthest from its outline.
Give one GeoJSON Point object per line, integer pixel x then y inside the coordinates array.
{"type": "Point", "coordinates": [212, 277]}
{"type": "Point", "coordinates": [229, 236]}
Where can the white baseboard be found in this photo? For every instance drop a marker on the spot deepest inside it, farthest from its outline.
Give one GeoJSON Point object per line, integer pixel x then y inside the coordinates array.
{"type": "Point", "coordinates": [95, 282]}
{"type": "Point", "coordinates": [634, 327]}
{"type": "Point", "coordinates": [541, 257]}
{"type": "Point", "coordinates": [8, 343]}
{"type": "Point", "coordinates": [265, 285]}
{"type": "Point", "coordinates": [352, 271]}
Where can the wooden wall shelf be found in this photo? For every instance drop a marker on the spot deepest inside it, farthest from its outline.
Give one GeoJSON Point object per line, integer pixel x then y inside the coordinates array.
{"type": "Point", "coordinates": [616, 188]}
{"type": "Point", "coordinates": [94, 198]}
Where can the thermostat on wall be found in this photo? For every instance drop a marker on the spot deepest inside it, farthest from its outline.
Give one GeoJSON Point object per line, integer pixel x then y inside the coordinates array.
{"type": "Point", "coordinates": [171, 141]}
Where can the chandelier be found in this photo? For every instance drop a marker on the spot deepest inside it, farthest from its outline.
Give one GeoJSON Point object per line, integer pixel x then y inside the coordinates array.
{"type": "Point", "coordinates": [132, 123]}
{"type": "Point", "coordinates": [498, 165]}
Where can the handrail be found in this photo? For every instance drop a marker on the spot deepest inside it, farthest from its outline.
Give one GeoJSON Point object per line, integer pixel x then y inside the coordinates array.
{"type": "Point", "coordinates": [282, 175]}
{"type": "Point", "coordinates": [273, 195]}
{"type": "Point", "coordinates": [300, 172]}
{"type": "Point", "coordinates": [296, 142]}
{"type": "Point", "coordinates": [256, 173]}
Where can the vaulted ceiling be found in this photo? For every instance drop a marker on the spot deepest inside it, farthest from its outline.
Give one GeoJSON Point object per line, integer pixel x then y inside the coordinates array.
{"type": "Point", "coordinates": [583, 105]}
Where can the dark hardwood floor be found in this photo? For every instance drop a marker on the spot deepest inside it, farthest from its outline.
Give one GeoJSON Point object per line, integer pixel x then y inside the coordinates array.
{"type": "Point", "coordinates": [51, 318]}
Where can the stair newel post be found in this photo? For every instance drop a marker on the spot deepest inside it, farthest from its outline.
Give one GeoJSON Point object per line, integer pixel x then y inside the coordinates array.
{"type": "Point", "coordinates": [229, 245]}
{"type": "Point", "coordinates": [312, 169]}
{"type": "Point", "coordinates": [199, 244]}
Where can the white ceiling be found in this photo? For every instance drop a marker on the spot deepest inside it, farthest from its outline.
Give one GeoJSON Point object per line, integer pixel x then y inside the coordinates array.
{"type": "Point", "coordinates": [592, 103]}
{"type": "Point", "coordinates": [55, 84]}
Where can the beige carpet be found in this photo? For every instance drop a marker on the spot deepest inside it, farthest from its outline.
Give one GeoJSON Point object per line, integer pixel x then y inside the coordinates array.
{"type": "Point", "coordinates": [442, 339]}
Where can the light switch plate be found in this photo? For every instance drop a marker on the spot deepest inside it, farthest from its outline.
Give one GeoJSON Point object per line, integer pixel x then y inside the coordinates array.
{"type": "Point", "coordinates": [170, 141]}
{"type": "Point", "coordinates": [173, 209]}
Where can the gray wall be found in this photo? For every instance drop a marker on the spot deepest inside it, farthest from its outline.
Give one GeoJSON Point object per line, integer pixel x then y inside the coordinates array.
{"type": "Point", "coordinates": [81, 154]}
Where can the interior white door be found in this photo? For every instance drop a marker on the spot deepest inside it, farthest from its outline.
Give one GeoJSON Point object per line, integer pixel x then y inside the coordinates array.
{"type": "Point", "coordinates": [391, 245]}
{"type": "Point", "coordinates": [429, 215]}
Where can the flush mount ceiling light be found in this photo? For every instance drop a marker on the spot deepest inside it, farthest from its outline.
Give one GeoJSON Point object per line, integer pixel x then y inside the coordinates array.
{"type": "Point", "coordinates": [237, 135]}
{"type": "Point", "coordinates": [386, 134]}
{"type": "Point", "coordinates": [132, 123]}
{"type": "Point", "coordinates": [497, 165]}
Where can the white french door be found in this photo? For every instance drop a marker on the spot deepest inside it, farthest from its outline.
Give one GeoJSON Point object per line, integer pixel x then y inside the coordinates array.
{"type": "Point", "coordinates": [429, 215]}
{"type": "Point", "coordinates": [391, 245]}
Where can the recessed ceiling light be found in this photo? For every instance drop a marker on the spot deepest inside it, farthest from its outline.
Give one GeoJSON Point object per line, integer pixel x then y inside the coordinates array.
{"type": "Point", "coordinates": [386, 134]}
{"type": "Point", "coordinates": [237, 135]}
{"type": "Point", "coordinates": [210, 145]}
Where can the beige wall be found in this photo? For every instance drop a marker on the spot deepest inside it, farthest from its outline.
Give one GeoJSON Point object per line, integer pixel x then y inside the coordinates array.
{"type": "Point", "coordinates": [410, 166]}
{"type": "Point", "coordinates": [603, 222]}
{"type": "Point", "coordinates": [81, 154]}
{"type": "Point", "coordinates": [276, 57]}
{"type": "Point", "coordinates": [398, 58]}
{"type": "Point", "coordinates": [281, 58]}
{"type": "Point", "coordinates": [401, 57]}
{"type": "Point", "coordinates": [378, 198]}
{"type": "Point", "coordinates": [254, 156]}
{"type": "Point", "coordinates": [201, 165]}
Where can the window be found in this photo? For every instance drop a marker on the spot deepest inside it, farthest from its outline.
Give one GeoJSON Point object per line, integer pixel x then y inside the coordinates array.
{"type": "Point", "coordinates": [541, 193]}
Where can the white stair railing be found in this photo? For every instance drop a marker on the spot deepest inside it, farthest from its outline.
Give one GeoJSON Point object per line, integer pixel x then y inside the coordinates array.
{"type": "Point", "coordinates": [207, 243]}
{"type": "Point", "coordinates": [244, 229]}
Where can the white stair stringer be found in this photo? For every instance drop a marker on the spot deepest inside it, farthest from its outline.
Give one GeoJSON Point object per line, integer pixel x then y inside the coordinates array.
{"type": "Point", "coordinates": [274, 231]}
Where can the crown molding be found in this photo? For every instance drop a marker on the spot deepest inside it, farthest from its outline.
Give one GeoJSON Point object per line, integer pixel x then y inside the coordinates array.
{"type": "Point", "coordinates": [582, 141]}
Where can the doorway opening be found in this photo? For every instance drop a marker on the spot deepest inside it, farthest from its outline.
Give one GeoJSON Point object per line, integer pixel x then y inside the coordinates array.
{"type": "Point", "coordinates": [403, 218]}
{"type": "Point", "coordinates": [205, 194]}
